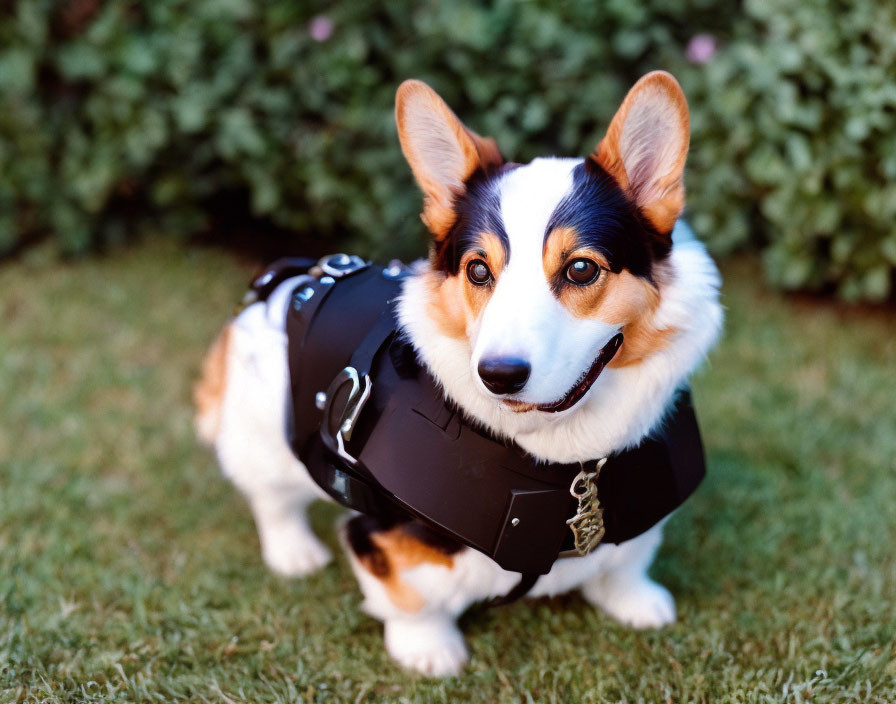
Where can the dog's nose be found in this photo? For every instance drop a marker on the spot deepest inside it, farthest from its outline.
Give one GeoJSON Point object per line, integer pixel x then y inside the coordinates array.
{"type": "Point", "coordinates": [504, 375]}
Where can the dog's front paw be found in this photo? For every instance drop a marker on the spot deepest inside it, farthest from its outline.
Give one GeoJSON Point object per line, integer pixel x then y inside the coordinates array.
{"type": "Point", "coordinates": [294, 555]}
{"type": "Point", "coordinates": [431, 646]}
{"type": "Point", "coordinates": [638, 602]}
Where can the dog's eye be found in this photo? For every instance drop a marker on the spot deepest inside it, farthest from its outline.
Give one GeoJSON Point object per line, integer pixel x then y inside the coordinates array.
{"type": "Point", "coordinates": [478, 273]}
{"type": "Point", "coordinates": [582, 272]}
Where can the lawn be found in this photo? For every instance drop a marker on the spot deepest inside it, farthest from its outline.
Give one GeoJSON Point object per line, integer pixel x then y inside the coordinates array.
{"type": "Point", "coordinates": [130, 571]}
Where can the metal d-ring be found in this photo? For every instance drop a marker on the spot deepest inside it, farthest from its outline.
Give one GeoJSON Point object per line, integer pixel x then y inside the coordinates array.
{"type": "Point", "coordinates": [336, 434]}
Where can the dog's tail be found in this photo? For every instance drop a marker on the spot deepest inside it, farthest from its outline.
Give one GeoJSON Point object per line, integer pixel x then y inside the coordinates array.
{"type": "Point", "coordinates": [210, 389]}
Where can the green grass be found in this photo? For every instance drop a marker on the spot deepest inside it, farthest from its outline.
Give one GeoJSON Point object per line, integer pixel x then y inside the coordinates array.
{"type": "Point", "coordinates": [130, 571]}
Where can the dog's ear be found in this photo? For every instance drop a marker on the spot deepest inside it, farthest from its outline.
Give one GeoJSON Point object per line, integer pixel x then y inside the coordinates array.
{"type": "Point", "coordinates": [442, 152]}
{"type": "Point", "coordinates": [646, 145]}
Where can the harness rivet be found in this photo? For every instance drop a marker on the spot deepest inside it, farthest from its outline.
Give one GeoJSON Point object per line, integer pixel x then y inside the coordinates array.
{"type": "Point", "coordinates": [320, 400]}
{"type": "Point", "coordinates": [300, 297]}
{"type": "Point", "coordinates": [514, 522]}
{"type": "Point", "coordinates": [327, 280]}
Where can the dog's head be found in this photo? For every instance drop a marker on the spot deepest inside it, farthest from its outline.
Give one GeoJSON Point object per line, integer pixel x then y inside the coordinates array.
{"type": "Point", "coordinates": [540, 267]}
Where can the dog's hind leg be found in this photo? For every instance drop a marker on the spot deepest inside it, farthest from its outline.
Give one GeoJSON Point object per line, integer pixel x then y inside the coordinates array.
{"type": "Point", "coordinates": [622, 588]}
{"type": "Point", "coordinates": [279, 491]}
{"type": "Point", "coordinates": [418, 583]}
{"type": "Point", "coordinates": [242, 412]}
{"type": "Point", "coordinates": [288, 545]}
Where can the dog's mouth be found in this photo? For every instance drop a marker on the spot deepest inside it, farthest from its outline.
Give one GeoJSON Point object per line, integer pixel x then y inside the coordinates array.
{"type": "Point", "coordinates": [580, 388]}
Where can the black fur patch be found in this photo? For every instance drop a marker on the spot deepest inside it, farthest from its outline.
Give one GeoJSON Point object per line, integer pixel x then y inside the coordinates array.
{"type": "Point", "coordinates": [357, 532]}
{"type": "Point", "coordinates": [478, 211]}
{"type": "Point", "coordinates": [432, 538]}
{"type": "Point", "coordinates": [596, 208]}
{"type": "Point", "coordinates": [360, 528]}
{"type": "Point", "coordinates": [606, 221]}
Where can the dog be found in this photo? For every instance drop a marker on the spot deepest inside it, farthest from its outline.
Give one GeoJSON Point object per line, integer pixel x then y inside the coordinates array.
{"type": "Point", "coordinates": [533, 268]}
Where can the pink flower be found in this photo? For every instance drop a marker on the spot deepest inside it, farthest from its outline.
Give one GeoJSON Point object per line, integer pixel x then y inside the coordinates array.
{"type": "Point", "coordinates": [321, 28]}
{"type": "Point", "coordinates": [701, 48]}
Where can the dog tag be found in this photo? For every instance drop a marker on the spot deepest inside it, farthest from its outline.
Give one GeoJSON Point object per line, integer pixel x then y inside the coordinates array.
{"type": "Point", "coordinates": [587, 525]}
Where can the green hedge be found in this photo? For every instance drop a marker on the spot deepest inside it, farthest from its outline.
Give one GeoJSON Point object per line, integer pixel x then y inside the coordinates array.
{"type": "Point", "coordinates": [121, 115]}
{"type": "Point", "coordinates": [794, 144]}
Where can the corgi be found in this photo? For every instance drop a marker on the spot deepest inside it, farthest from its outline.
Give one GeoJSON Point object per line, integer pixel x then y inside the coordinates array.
{"type": "Point", "coordinates": [533, 269]}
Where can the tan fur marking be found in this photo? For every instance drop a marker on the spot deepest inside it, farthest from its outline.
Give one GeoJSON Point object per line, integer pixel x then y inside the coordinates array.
{"type": "Point", "coordinates": [447, 304]}
{"type": "Point", "coordinates": [642, 336]}
{"type": "Point", "coordinates": [209, 390]}
{"type": "Point", "coordinates": [641, 340]}
{"type": "Point", "coordinates": [659, 195]}
{"type": "Point", "coordinates": [420, 115]}
{"type": "Point", "coordinates": [494, 252]}
{"type": "Point", "coordinates": [559, 250]}
{"type": "Point", "coordinates": [491, 252]}
{"type": "Point", "coordinates": [455, 302]}
{"type": "Point", "coordinates": [621, 299]}
{"type": "Point", "coordinates": [399, 551]}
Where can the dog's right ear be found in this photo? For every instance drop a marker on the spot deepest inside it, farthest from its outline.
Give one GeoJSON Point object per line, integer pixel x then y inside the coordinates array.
{"type": "Point", "coordinates": [646, 146]}
{"type": "Point", "coordinates": [441, 151]}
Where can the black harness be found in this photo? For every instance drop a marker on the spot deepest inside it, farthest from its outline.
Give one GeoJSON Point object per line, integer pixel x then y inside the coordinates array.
{"type": "Point", "coordinates": [376, 433]}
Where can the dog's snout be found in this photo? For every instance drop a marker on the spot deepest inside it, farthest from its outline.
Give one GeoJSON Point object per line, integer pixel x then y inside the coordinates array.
{"type": "Point", "coordinates": [504, 375]}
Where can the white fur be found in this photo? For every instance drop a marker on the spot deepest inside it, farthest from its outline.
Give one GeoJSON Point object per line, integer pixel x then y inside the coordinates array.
{"type": "Point", "coordinates": [523, 317]}
{"type": "Point", "coordinates": [251, 440]}
{"type": "Point", "coordinates": [624, 404]}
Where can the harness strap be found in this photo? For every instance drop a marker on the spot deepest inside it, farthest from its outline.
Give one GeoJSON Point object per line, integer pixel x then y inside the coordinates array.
{"type": "Point", "coordinates": [350, 488]}
{"type": "Point", "coordinates": [376, 339]}
{"type": "Point", "coordinates": [275, 274]}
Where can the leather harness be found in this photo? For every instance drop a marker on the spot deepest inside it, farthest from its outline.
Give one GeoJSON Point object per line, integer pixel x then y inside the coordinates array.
{"type": "Point", "coordinates": [375, 431]}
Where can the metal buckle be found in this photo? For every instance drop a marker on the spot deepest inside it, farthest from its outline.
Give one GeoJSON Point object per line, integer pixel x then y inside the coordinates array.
{"type": "Point", "coordinates": [588, 524]}
{"type": "Point", "coordinates": [339, 265]}
{"type": "Point", "coordinates": [338, 422]}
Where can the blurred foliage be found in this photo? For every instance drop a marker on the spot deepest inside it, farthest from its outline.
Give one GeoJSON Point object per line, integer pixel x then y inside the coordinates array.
{"type": "Point", "coordinates": [183, 115]}
{"type": "Point", "coordinates": [794, 144]}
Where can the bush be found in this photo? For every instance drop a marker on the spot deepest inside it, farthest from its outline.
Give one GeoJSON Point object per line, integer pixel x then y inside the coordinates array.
{"type": "Point", "coordinates": [177, 111]}
{"type": "Point", "coordinates": [794, 144]}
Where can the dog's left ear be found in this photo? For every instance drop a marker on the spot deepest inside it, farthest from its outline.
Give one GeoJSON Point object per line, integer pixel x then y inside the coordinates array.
{"type": "Point", "coordinates": [441, 151]}
{"type": "Point", "coordinates": [646, 146]}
